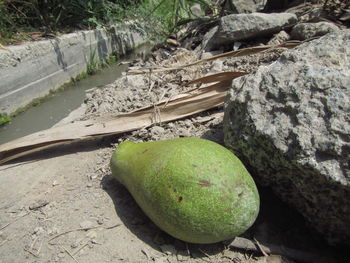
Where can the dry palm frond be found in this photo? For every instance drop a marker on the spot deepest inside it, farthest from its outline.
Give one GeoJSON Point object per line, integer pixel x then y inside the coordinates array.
{"type": "Point", "coordinates": [236, 53]}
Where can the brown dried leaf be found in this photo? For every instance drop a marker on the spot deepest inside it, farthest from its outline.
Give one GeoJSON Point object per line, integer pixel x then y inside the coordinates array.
{"type": "Point", "coordinates": [180, 107]}
{"type": "Point", "coordinates": [222, 76]}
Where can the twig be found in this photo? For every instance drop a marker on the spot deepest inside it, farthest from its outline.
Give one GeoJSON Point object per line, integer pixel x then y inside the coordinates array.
{"type": "Point", "coordinates": [39, 249]}
{"type": "Point", "coordinates": [204, 253]}
{"type": "Point", "coordinates": [18, 218]}
{"type": "Point", "coordinates": [3, 242]}
{"type": "Point", "coordinates": [30, 252]}
{"type": "Point", "coordinates": [72, 230]}
{"type": "Point", "coordinates": [76, 252]}
{"type": "Point", "coordinates": [232, 259]}
{"type": "Point", "coordinates": [32, 245]}
{"type": "Point", "coordinates": [261, 248]}
{"type": "Point", "coordinates": [70, 254]}
{"type": "Point", "coordinates": [156, 116]}
{"type": "Point", "coordinates": [150, 81]}
{"type": "Point", "coordinates": [295, 254]}
{"type": "Point", "coordinates": [80, 229]}
{"type": "Point", "coordinates": [111, 227]}
{"type": "Point", "coordinates": [146, 253]}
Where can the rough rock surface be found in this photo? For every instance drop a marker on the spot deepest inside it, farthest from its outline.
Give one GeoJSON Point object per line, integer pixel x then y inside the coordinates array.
{"type": "Point", "coordinates": [290, 122]}
{"type": "Point", "coordinates": [239, 27]}
{"type": "Point", "coordinates": [279, 38]}
{"type": "Point", "coordinates": [304, 31]}
{"type": "Point", "coordinates": [244, 6]}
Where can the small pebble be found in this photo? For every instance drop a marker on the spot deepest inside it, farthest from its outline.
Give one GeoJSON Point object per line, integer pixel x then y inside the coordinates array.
{"type": "Point", "coordinates": [86, 224]}
{"type": "Point", "coordinates": [91, 234]}
{"type": "Point", "coordinates": [94, 241]}
{"type": "Point", "coordinates": [38, 204]}
{"type": "Point", "coordinates": [184, 133]}
{"type": "Point", "coordinates": [75, 244]}
{"type": "Point", "coordinates": [100, 221]}
{"type": "Point", "coordinates": [38, 230]}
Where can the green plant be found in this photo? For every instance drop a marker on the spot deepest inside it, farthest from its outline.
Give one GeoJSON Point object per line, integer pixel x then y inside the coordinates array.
{"type": "Point", "coordinates": [18, 16]}
{"type": "Point", "coordinates": [93, 63]}
{"type": "Point", "coordinates": [4, 118]}
{"type": "Point", "coordinates": [160, 18]}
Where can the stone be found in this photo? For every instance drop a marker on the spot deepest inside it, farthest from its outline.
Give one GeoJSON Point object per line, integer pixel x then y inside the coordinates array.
{"type": "Point", "coordinates": [207, 42]}
{"type": "Point", "coordinates": [289, 122]}
{"type": "Point", "coordinates": [55, 183]}
{"type": "Point", "coordinates": [86, 224]}
{"type": "Point", "coordinates": [239, 27]}
{"type": "Point", "coordinates": [157, 130]}
{"type": "Point", "coordinates": [205, 55]}
{"type": "Point", "coordinates": [304, 31]}
{"type": "Point", "coordinates": [216, 67]}
{"type": "Point", "coordinates": [38, 204]}
{"type": "Point", "coordinates": [279, 38]}
{"type": "Point", "coordinates": [244, 6]}
{"type": "Point", "coordinates": [197, 10]}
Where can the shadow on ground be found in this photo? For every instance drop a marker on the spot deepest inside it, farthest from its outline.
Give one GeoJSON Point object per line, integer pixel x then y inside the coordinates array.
{"type": "Point", "coordinates": [140, 225]}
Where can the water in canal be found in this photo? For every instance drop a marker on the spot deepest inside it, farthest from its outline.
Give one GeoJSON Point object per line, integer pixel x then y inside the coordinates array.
{"type": "Point", "coordinates": [59, 105]}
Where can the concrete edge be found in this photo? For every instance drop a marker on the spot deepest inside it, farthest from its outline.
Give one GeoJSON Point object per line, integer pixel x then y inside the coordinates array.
{"type": "Point", "coordinates": [32, 70]}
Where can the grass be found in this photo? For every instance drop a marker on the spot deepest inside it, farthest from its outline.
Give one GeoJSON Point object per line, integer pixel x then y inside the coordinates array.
{"type": "Point", "coordinates": [93, 64]}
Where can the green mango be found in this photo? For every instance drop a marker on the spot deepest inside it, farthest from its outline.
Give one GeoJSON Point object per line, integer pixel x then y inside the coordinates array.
{"type": "Point", "coordinates": [193, 189]}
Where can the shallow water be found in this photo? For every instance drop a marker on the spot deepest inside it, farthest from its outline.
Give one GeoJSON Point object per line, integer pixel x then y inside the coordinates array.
{"type": "Point", "coordinates": [59, 105]}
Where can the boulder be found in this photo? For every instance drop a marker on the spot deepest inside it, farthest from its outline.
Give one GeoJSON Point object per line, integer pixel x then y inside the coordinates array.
{"type": "Point", "coordinates": [289, 122]}
{"type": "Point", "coordinates": [304, 31]}
{"type": "Point", "coordinates": [243, 6]}
{"type": "Point", "coordinates": [238, 27]}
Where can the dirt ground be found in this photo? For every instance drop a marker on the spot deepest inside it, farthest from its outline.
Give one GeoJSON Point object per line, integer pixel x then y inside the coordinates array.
{"type": "Point", "coordinates": [63, 205]}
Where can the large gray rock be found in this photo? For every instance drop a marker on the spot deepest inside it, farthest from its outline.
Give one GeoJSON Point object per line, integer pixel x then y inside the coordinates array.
{"type": "Point", "coordinates": [238, 27]}
{"type": "Point", "coordinates": [304, 31]}
{"type": "Point", "coordinates": [290, 123]}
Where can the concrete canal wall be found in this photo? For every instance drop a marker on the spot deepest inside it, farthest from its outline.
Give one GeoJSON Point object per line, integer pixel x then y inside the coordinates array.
{"type": "Point", "coordinates": [31, 70]}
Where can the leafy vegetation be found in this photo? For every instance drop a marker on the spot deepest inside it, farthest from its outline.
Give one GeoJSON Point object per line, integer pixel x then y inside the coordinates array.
{"type": "Point", "coordinates": [24, 20]}
{"type": "Point", "coordinates": [19, 16]}
{"type": "Point", "coordinates": [4, 118]}
{"type": "Point", "coordinates": [166, 16]}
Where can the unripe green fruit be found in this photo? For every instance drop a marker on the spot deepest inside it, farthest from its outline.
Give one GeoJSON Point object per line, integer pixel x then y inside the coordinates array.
{"type": "Point", "coordinates": [193, 189]}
